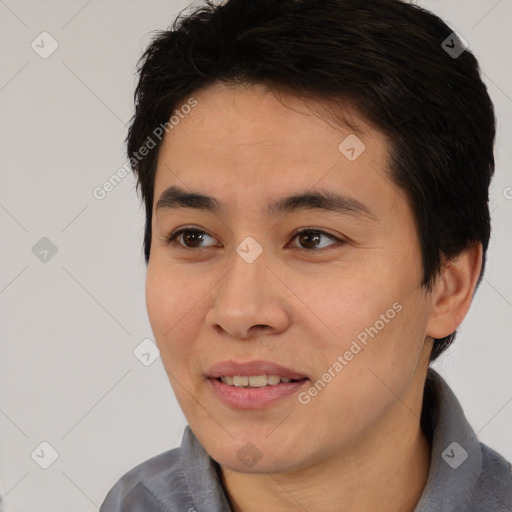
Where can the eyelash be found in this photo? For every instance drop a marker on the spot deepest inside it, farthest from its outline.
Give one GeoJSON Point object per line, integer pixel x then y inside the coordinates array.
{"type": "Point", "coordinates": [171, 239]}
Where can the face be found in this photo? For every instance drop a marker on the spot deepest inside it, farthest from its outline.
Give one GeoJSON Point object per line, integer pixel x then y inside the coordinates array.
{"type": "Point", "coordinates": [339, 306]}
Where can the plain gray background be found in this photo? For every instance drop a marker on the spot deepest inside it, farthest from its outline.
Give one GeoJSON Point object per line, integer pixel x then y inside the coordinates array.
{"type": "Point", "coordinates": [70, 324]}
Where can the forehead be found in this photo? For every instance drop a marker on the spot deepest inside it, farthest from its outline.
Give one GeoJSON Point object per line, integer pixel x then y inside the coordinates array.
{"type": "Point", "coordinates": [231, 117]}
{"type": "Point", "coordinates": [241, 142]}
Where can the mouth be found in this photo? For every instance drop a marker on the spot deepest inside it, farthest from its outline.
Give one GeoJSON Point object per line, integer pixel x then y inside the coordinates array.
{"type": "Point", "coordinates": [255, 384]}
{"type": "Point", "coordinates": [255, 381]}
{"type": "Point", "coordinates": [261, 372]}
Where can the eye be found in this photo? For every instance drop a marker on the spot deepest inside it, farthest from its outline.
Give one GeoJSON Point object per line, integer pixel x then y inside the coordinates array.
{"type": "Point", "coordinates": [191, 238]}
{"type": "Point", "coordinates": [311, 237]}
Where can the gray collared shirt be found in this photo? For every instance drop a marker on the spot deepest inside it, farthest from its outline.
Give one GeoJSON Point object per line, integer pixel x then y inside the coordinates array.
{"type": "Point", "coordinates": [465, 475]}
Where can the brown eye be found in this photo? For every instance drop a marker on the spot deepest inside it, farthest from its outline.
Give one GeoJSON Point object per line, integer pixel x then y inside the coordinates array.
{"type": "Point", "coordinates": [191, 238]}
{"type": "Point", "coordinates": [310, 238]}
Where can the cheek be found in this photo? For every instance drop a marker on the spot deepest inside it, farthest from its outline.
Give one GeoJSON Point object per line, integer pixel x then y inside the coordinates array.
{"type": "Point", "coordinates": [160, 300]}
{"type": "Point", "coordinates": [342, 307]}
{"type": "Point", "coordinates": [173, 311]}
{"type": "Point", "coordinates": [176, 317]}
{"type": "Point", "coordinates": [373, 327]}
{"type": "Point", "coordinates": [380, 350]}
{"type": "Point", "coordinates": [170, 297]}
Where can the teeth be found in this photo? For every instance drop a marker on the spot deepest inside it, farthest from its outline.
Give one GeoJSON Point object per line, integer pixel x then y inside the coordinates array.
{"type": "Point", "coordinates": [256, 381]}
{"type": "Point", "coordinates": [240, 380]}
{"type": "Point", "coordinates": [273, 379]}
{"type": "Point", "coordinates": [228, 380]}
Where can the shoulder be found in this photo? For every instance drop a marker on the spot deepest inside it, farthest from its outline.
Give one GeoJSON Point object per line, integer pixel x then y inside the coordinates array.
{"type": "Point", "coordinates": [157, 484]}
{"type": "Point", "coordinates": [481, 481]}
{"type": "Point", "coordinates": [493, 488]}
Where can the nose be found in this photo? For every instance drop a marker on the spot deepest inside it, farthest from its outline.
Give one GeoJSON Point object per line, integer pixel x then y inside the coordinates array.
{"type": "Point", "coordinates": [250, 300]}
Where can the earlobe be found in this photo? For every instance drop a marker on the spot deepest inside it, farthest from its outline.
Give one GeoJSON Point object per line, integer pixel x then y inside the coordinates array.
{"type": "Point", "coordinates": [453, 292]}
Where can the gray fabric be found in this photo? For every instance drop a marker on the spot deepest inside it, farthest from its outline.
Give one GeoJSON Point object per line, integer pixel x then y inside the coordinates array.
{"type": "Point", "coordinates": [186, 479]}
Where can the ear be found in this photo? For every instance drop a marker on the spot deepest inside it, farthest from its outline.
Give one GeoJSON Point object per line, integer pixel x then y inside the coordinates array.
{"type": "Point", "coordinates": [453, 291]}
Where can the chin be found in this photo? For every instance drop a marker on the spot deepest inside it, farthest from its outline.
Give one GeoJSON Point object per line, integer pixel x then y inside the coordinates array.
{"type": "Point", "coordinates": [231, 461]}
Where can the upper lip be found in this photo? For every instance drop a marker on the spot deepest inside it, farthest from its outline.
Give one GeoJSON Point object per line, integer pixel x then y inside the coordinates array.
{"type": "Point", "coordinates": [252, 368]}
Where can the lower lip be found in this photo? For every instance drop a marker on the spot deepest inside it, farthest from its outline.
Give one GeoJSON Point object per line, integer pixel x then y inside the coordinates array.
{"type": "Point", "coordinates": [254, 398]}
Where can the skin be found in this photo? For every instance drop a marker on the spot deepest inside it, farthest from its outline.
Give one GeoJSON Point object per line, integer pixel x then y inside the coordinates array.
{"type": "Point", "coordinates": [357, 445]}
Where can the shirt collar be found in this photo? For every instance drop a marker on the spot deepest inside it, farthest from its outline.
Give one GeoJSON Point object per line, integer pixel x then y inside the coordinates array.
{"type": "Point", "coordinates": [456, 454]}
{"type": "Point", "coordinates": [202, 475]}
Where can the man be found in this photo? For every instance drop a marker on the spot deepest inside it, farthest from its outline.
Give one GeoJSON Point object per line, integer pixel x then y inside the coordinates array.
{"type": "Point", "coordinates": [315, 175]}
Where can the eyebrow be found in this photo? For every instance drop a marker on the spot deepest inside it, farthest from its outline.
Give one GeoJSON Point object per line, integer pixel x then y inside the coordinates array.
{"type": "Point", "coordinates": [175, 197]}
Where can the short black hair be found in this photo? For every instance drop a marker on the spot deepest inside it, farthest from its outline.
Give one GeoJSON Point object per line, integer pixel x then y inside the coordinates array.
{"type": "Point", "coordinates": [385, 57]}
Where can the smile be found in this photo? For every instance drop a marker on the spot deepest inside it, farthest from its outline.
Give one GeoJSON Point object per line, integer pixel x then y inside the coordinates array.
{"type": "Point", "coordinates": [253, 381]}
